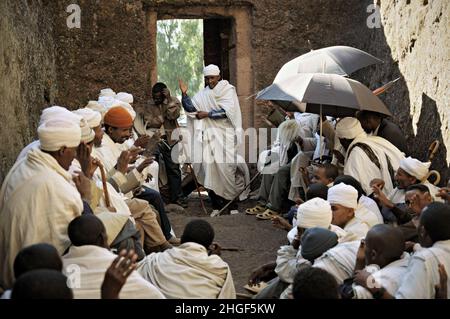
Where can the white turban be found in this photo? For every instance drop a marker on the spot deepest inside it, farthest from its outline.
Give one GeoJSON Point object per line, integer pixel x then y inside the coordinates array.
{"type": "Point", "coordinates": [87, 134]}
{"type": "Point", "coordinates": [107, 92]}
{"type": "Point", "coordinates": [349, 128]}
{"type": "Point", "coordinates": [314, 213]}
{"type": "Point", "coordinates": [96, 106]}
{"type": "Point", "coordinates": [56, 133]}
{"type": "Point", "coordinates": [93, 118]}
{"type": "Point", "coordinates": [58, 112]}
{"type": "Point", "coordinates": [415, 167]}
{"type": "Point", "coordinates": [211, 70]}
{"type": "Point", "coordinates": [343, 194]}
{"type": "Point", "coordinates": [125, 97]}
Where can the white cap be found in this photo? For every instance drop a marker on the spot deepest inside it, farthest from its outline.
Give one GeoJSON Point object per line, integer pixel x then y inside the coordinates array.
{"type": "Point", "coordinates": [211, 70]}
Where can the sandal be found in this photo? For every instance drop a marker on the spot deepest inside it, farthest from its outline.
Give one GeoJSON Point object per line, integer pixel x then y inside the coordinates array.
{"type": "Point", "coordinates": [267, 214]}
{"type": "Point", "coordinates": [255, 210]}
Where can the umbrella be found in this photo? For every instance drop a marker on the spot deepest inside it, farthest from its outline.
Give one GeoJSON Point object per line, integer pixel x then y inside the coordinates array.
{"type": "Point", "coordinates": [342, 60]}
{"type": "Point", "coordinates": [325, 94]}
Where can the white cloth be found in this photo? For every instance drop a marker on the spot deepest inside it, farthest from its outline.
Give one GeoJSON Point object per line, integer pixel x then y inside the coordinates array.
{"type": "Point", "coordinates": [85, 267]}
{"type": "Point", "coordinates": [56, 133]}
{"type": "Point", "coordinates": [107, 92]}
{"type": "Point", "coordinates": [415, 167]}
{"type": "Point", "coordinates": [388, 277]}
{"type": "Point", "coordinates": [211, 70]}
{"type": "Point", "coordinates": [315, 212]}
{"type": "Point", "coordinates": [422, 273]}
{"type": "Point", "coordinates": [214, 141]}
{"type": "Point", "coordinates": [37, 202]}
{"type": "Point", "coordinates": [361, 167]}
{"type": "Point", "coordinates": [125, 97]}
{"type": "Point", "coordinates": [87, 134]}
{"type": "Point", "coordinates": [58, 112]}
{"type": "Point", "coordinates": [349, 128]}
{"type": "Point", "coordinates": [339, 261]}
{"type": "Point", "coordinates": [368, 211]}
{"type": "Point", "coordinates": [96, 106]}
{"type": "Point", "coordinates": [343, 194]}
{"type": "Point", "coordinates": [357, 227]}
{"type": "Point", "coordinates": [92, 117]}
{"type": "Point", "coordinates": [188, 272]}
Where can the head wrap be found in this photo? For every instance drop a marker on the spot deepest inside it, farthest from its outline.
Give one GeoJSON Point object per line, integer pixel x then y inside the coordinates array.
{"type": "Point", "coordinates": [93, 118]}
{"type": "Point", "coordinates": [349, 128]}
{"type": "Point", "coordinates": [125, 97]}
{"type": "Point", "coordinates": [58, 112]}
{"type": "Point", "coordinates": [343, 194]}
{"type": "Point", "coordinates": [97, 106]}
{"type": "Point", "coordinates": [87, 134]}
{"type": "Point", "coordinates": [415, 167]}
{"type": "Point", "coordinates": [56, 133]}
{"type": "Point", "coordinates": [315, 241]}
{"type": "Point", "coordinates": [211, 70]}
{"type": "Point", "coordinates": [314, 213]}
{"type": "Point", "coordinates": [107, 92]}
{"type": "Point", "coordinates": [118, 117]}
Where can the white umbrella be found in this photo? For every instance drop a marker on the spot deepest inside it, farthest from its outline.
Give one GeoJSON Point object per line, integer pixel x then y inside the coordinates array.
{"type": "Point", "coordinates": [342, 60]}
{"type": "Point", "coordinates": [329, 94]}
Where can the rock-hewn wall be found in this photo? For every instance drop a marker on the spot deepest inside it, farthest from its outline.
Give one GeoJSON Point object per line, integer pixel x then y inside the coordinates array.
{"type": "Point", "coordinates": [27, 74]}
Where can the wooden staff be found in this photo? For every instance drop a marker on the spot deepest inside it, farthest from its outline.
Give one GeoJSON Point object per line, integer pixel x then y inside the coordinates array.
{"type": "Point", "coordinates": [105, 186]}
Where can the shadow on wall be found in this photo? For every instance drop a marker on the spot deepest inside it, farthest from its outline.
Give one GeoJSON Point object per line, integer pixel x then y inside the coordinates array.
{"type": "Point", "coordinates": [428, 130]}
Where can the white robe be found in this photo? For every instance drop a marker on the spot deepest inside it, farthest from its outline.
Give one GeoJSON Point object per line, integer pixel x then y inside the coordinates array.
{"type": "Point", "coordinates": [85, 267]}
{"type": "Point", "coordinates": [188, 272]}
{"type": "Point", "coordinates": [388, 277]}
{"type": "Point", "coordinates": [368, 211]}
{"type": "Point", "coordinates": [359, 165]}
{"type": "Point", "coordinates": [339, 261]}
{"type": "Point", "coordinates": [38, 200]}
{"type": "Point", "coordinates": [214, 143]}
{"type": "Point", "coordinates": [357, 227]}
{"type": "Point", "coordinates": [422, 273]}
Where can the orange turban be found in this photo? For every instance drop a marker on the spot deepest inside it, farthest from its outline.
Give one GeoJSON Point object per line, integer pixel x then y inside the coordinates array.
{"type": "Point", "coordinates": [118, 117]}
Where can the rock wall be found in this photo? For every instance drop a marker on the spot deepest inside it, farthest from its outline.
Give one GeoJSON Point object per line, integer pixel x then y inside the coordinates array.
{"type": "Point", "coordinates": [27, 74]}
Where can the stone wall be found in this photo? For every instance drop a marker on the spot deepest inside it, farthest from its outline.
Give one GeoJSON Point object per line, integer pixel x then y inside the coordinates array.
{"type": "Point", "coordinates": [27, 74]}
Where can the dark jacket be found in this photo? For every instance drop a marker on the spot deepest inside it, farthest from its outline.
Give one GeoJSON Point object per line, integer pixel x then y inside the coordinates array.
{"type": "Point", "coordinates": [391, 132]}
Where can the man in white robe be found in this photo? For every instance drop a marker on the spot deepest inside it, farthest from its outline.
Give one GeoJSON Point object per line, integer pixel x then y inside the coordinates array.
{"type": "Point", "coordinates": [215, 125]}
{"type": "Point", "coordinates": [343, 199]}
{"type": "Point", "coordinates": [189, 271]}
{"type": "Point", "coordinates": [88, 259]}
{"type": "Point", "coordinates": [367, 157]}
{"type": "Point", "coordinates": [38, 198]}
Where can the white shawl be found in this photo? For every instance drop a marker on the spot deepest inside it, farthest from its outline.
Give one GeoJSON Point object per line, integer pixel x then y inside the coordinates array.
{"type": "Point", "coordinates": [85, 267]}
{"type": "Point", "coordinates": [38, 200]}
{"type": "Point", "coordinates": [188, 272]}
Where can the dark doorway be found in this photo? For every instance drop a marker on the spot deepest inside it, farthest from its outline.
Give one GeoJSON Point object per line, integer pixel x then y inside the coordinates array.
{"type": "Point", "coordinates": [218, 41]}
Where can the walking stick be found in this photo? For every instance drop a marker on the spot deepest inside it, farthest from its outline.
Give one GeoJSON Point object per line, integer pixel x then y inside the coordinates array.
{"type": "Point", "coordinates": [105, 186]}
{"type": "Point", "coordinates": [237, 196]}
{"type": "Point", "coordinates": [194, 178]}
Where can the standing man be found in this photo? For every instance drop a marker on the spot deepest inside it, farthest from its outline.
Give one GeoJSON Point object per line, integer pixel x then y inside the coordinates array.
{"type": "Point", "coordinates": [215, 131]}
{"type": "Point", "coordinates": [160, 115]}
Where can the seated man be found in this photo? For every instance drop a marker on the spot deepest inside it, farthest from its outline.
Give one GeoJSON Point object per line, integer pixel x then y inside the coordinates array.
{"type": "Point", "coordinates": [343, 199]}
{"type": "Point", "coordinates": [314, 283]}
{"type": "Point", "coordinates": [88, 259]}
{"type": "Point", "coordinates": [422, 275]}
{"type": "Point", "coordinates": [367, 157]}
{"type": "Point", "coordinates": [383, 247]}
{"type": "Point", "coordinates": [189, 271]}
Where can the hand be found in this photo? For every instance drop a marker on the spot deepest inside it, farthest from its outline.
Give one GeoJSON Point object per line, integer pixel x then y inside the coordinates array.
{"type": "Point", "coordinates": [116, 275]}
{"type": "Point", "coordinates": [84, 157]}
{"type": "Point", "coordinates": [444, 193]}
{"type": "Point", "coordinates": [296, 242]}
{"type": "Point", "coordinates": [142, 141]}
{"type": "Point", "coordinates": [362, 277]}
{"type": "Point", "coordinates": [183, 87]}
{"type": "Point", "coordinates": [262, 273]}
{"type": "Point", "coordinates": [214, 249]}
{"type": "Point", "coordinates": [381, 197]}
{"type": "Point", "coordinates": [201, 115]}
{"type": "Point", "coordinates": [339, 156]}
{"type": "Point", "coordinates": [83, 185]}
{"type": "Point", "coordinates": [166, 93]}
{"type": "Point", "coordinates": [123, 161]}
{"type": "Point", "coordinates": [281, 223]}
{"type": "Point", "coordinates": [134, 152]}
{"type": "Point", "coordinates": [377, 182]}
{"type": "Point", "coordinates": [298, 201]}
{"type": "Point", "coordinates": [146, 162]}
{"type": "Point", "coordinates": [441, 289]}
